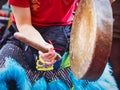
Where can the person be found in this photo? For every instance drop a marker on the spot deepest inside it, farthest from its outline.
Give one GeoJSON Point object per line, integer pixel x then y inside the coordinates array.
{"type": "Point", "coordinates": [43, 20]}
{"type": "Point", "coordinates": [47, 23]}
{"type": "Point", "coordinates": [44, 23]}
{"type": "Point", "coordinates": [115, 56]}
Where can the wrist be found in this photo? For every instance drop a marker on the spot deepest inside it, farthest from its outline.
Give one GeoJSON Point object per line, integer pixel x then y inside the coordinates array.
{"type": "Point", "coordinates": [48, 46]}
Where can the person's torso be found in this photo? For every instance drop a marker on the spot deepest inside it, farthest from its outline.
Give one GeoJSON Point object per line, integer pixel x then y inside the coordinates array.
{"type": "Point", "coordinates": [50, 12]}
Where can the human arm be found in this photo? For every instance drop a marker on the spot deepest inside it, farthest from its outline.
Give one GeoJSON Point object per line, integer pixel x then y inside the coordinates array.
{"type": "Point", "coordinates": [24, 25]}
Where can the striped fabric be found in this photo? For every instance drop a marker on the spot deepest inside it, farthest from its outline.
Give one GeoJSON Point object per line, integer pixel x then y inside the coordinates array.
{"type": "Point", "coordinates": [62, 74]}
{"type": "Point", "coordinates": [11, 50]}
{"type": "Point", "coordinates": [50, 76]}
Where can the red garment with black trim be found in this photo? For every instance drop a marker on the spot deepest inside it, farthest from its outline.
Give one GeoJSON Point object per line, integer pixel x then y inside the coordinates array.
{"type": "Point", "coordinates": [48, 12]}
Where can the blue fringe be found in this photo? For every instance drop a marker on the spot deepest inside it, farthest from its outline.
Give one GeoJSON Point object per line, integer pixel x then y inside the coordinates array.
{"type": "Point", "coordinates": [13, 70]}
{"type": "Point", "coordinates": [105, 82]}
{"type": "Point", "coordinates": [57, 85]}
{"type": "Point", "coordinates": [41, 84]}
{"type": "Point", "coordinates": [3, 86]}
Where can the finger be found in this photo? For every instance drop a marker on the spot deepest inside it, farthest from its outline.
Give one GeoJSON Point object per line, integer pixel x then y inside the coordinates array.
{"type": "Point", "coordinates": [52, 62]}
{"type": "Point", "coordinates": [51, 54]}
{"type": "Point", "coordinates": [44, 55]}
{"type": "Point", "coordinates": [40, 53]}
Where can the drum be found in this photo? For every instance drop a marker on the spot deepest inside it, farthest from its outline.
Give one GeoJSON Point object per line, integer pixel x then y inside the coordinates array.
{"type": "Point", "coordinates": [91, 38]}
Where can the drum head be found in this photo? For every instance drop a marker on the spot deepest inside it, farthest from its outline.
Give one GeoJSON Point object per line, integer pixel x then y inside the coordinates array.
{"type": "Point", "coordinates": [91, 38]}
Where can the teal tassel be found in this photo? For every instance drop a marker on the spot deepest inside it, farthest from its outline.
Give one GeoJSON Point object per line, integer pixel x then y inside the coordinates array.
{"type": "Point", "coordinates": [105, 82]}
{"type": "Point", "coordinates": [13, 71]}
{"type": "Point", "coordinates": [3, 86]}
{"type": "Point", "coordinates": [41, 84]}
{"type": "Point", "coordinates": [57, 85]}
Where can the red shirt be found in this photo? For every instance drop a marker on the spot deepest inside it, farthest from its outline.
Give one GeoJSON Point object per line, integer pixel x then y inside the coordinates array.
{"type": "Point", "coordinates": [48, 12]}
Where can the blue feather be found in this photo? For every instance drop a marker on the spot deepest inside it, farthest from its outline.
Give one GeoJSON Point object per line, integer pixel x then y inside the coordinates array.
{"type": "Point", "coordinates": [41, 84]}
{"type": "Point", "coordinates": [105, 82]}
{"type": "Point", "coordinates": [3, 86]}
{"type": "Point", "coordinates": [57, 85]}
{"type": "Point", "coordinates": [13, 71]}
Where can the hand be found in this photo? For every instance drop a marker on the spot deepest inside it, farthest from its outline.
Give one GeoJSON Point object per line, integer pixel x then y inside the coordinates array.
{"type": "Point", "coordinates": [48, 57]}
